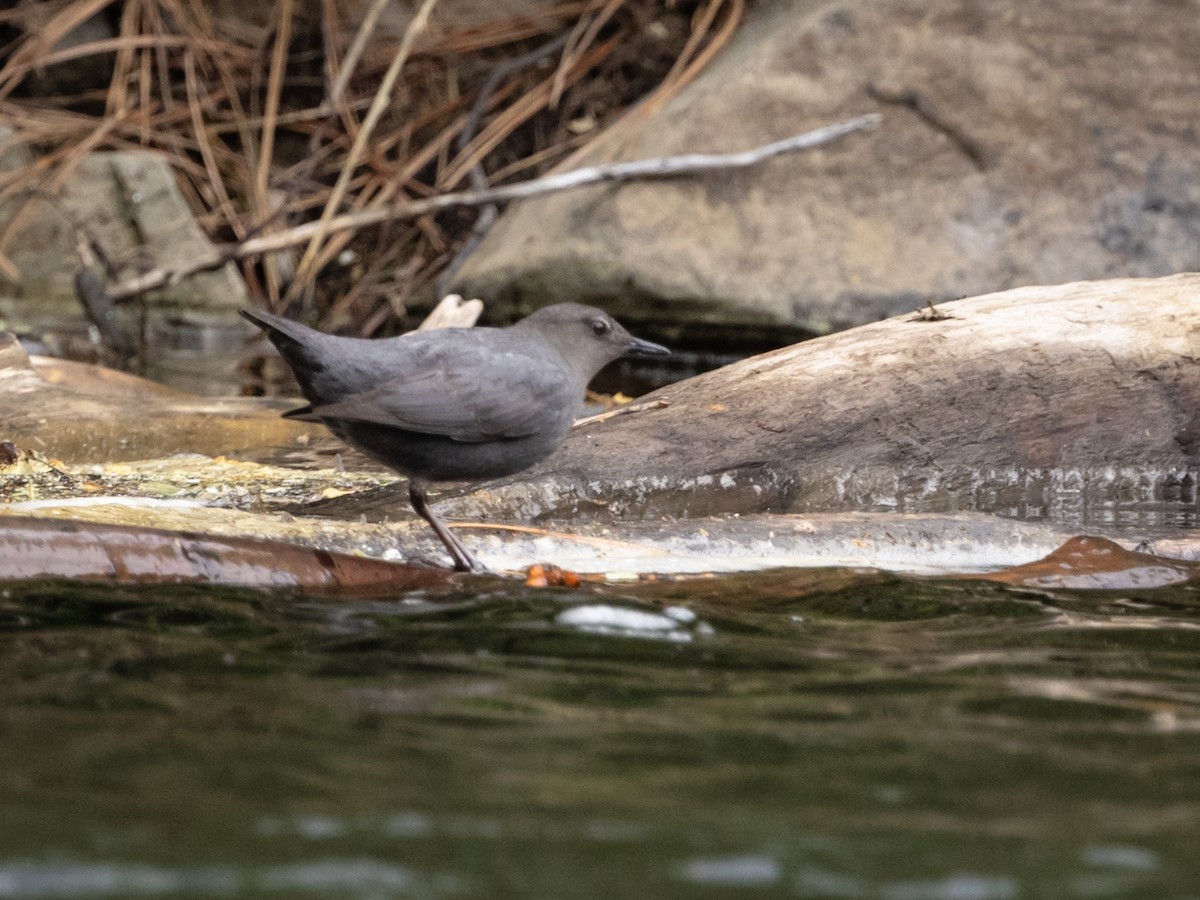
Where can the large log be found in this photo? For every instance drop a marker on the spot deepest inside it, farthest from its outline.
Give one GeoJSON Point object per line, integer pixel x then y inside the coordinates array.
{"type": "Point", "coordinates": [1031, 397]}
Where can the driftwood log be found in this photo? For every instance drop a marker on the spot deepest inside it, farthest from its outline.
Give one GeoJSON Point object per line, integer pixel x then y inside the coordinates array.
{"type": "Point", "coordinates": [1031, 401]}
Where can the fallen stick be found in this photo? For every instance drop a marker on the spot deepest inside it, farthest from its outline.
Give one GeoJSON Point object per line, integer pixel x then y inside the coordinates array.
{"type": "Point", "coordinates": [658, 167]}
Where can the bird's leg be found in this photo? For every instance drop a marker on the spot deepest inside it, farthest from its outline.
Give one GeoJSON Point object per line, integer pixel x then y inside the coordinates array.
{"type": "Point", "coordinates": [464, 559]}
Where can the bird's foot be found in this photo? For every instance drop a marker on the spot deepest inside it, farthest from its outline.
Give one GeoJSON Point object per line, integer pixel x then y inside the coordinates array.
{"type": "Point", "coordinates": [472, 566]}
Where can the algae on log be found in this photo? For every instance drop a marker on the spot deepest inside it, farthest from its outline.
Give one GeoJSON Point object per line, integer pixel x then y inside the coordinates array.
{"type": "Point", "coordinates": [1030, 396]}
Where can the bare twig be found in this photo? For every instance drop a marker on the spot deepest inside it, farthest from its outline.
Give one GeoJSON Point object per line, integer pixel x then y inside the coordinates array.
{"type": "Point", "coordinates": [563, 536]}
{"type": "Point", "coordinates": [659, 167]}
{"type": "Point", "coordinates": [488, 213]}
{"type": "Point", "coordinates": [658, 403]}
{"type": "Point", "coordinates": [517, 112]}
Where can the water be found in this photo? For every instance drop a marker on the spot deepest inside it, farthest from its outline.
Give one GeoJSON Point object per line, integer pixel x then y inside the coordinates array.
{"type": "Point", "coordinates": [789, 734]}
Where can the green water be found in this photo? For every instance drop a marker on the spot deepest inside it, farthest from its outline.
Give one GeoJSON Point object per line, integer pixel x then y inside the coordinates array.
{"type": "Point", "coordinates": [816, 734]}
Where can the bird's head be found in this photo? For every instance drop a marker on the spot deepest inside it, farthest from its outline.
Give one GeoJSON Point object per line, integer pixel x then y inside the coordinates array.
{"type": "Point", "coordinates": [587, 337]}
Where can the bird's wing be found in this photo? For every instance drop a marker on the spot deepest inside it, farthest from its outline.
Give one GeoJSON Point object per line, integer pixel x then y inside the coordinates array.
{"type": "Point", "coordinates": [454, 397]}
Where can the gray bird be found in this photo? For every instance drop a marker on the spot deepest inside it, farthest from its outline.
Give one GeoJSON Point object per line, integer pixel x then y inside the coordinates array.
{"type": "Point", "coordinates": [454, 404]}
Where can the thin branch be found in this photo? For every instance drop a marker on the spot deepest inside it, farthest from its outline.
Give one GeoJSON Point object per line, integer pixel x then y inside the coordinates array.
{"type": "Point", "coordinates": [658, 167]}
{"type": "Point", "coordinates": [472, 150]}
{"type": "Point", "coordinates": [515, 114]}
{"type": "Point", "coordinates": [279, 52]}
{"type": "Point", "coordinates": [659, 403]}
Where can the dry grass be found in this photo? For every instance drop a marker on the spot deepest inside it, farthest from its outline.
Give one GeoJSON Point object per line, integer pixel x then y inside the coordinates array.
{"type": "Point", "coordinates": [270, 126]}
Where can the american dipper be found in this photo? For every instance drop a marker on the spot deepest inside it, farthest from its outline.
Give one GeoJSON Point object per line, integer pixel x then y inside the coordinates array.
{"type": "Point", "coordinates": [454, 404]}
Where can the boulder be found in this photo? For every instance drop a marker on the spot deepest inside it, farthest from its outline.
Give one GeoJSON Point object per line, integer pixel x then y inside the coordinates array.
{"type": "Point", "coordinates": [130, 205]}
{"type": "Point", "coordinates": [1021, 144]}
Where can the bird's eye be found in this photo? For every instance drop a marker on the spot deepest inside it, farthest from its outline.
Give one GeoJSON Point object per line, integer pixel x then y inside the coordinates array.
{"type": "Point", "coordinates": [599, 327]}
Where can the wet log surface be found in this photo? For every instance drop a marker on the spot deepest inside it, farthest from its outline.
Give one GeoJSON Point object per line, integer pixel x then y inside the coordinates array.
{"type": "Point", "coordinates": [1096, 563]}
{"type": "Point", "coordinates": [81, 413]}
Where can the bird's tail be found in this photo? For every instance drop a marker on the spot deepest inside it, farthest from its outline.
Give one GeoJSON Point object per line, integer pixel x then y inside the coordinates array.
{"type": "Point", "coordinates": [296, 343]}
{"type": "Point", "coordinates": [276, 326]}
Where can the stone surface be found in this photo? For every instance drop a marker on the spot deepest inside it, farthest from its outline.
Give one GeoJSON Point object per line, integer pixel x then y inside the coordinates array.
{"type": "Point", "coordinates": [130, 204]}
{"type": "Point", "coordinates": [1022, 144]}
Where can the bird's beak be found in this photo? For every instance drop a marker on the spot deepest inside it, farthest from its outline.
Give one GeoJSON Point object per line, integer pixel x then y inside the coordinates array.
{"type": "Point", "coordinates": [638, 347]}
